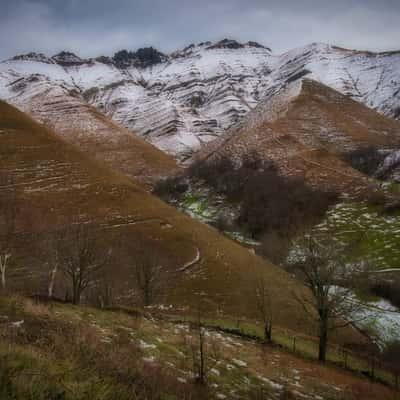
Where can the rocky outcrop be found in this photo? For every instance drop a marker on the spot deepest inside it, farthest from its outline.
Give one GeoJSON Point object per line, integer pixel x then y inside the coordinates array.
{"type": "Point", "coordinates": [38, 57]}
{"type": "Point", "coordinates": [234, 45]}
{"type": "Point", "coordinates": [142, 58]}
{"type": "Point", "coordinates": [226, 44]}
{"type": "Point", "coordinates": [67, 59]}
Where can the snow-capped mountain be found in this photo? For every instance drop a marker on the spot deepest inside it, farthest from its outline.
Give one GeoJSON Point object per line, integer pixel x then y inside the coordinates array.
{"type": "Point", "coordinates": [182, 100]}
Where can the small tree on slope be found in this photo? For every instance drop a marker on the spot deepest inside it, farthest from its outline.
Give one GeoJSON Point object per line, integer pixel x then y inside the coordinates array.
{"type": "Point", "coordinates": [264, 306]}
{"type": "Point", "coordinates": [203, 349]}
{"type": "Point", "coordinates": [331, 282]}
{"type": "Point", "coordinates": [150, 276]}
{"type": "Point", "coordinates": [78, 259]}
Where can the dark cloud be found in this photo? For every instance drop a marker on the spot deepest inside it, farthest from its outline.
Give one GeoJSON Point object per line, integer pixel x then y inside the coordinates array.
{"type": "Point", "coordinates": [93, 27]}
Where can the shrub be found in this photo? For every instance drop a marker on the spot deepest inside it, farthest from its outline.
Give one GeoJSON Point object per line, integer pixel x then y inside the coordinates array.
{"type": "Point", "coordinates": [366, 159]}
{"type": "Point", "coordinates": [170, 188]}
{"type": "Point", "coordinates": [272, 203]}
{"type": "Point", "coordinates": [389, 290]}
{"type": "Point", "coordinates": [269, 202]}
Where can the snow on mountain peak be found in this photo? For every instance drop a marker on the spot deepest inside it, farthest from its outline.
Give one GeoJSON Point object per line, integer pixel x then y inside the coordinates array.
{"type": "Point", "coordinates": [181, 101]}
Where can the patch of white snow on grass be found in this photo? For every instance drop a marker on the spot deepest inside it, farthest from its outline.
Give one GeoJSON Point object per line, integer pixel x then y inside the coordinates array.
{"type": "Point", "coordinates": [239, 363]}
{"type": "Point", "coordinates": [144, 345]}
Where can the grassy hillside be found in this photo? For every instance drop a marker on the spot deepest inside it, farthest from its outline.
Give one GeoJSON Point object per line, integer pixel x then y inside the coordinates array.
{"type": "Point", "coordinates": [59, 351]}
{"type": "Point", "coordinates": [56, 183]}
{"type": "Point", "coordinates": [96, 135]}
{"type": "Point", "coordinates": [277, 172]}
{"type": "Point", "coordinates": [306, 129]}
{"type": "Point", "coordinates": [376, 233]}
{"type": "Point", "coordinates": [323, 117]}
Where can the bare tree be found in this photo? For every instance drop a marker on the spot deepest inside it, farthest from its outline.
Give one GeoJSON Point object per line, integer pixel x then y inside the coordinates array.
{"type": "Point", "coordinates": [331, 281]}
{"type": "Point", "coordinates": [264, 306]}
{"type": "Point", "coordinates": [8, 214]}
{"type": "Point", "coordinates": [199, 353]}
{"type": "Point", "coordinates": [79, 260]}
{"type": "Point", "coordinates": [149, 276]}
{"type": "Point", "coordinates": [204, 353]}
{"type": "Point", "coordinates": [105, 291]}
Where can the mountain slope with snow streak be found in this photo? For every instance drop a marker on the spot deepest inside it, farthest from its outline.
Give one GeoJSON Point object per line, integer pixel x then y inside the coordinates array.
{"type": "Point", "coordinates": [59, 105]}
{"type": "Point", "coordinates": [57, 185]}
{"type": "Point", "coordinates": [308, 130]}
{"type": "Point", "coordinates": [181, 101]}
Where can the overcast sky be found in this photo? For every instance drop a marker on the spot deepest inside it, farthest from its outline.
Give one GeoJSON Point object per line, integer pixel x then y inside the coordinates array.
{"type": "Point", "coordinates": [95, 27]}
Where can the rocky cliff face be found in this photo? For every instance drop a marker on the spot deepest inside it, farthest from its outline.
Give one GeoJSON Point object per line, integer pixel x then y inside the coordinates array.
{"type": "Point", "coordinates": [180, 101]}
{"type": "Point", "coordinates": [142, 58]}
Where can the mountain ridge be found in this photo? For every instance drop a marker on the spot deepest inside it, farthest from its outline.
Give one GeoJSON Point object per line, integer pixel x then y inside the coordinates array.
{"type": "Point", "coordinates": [195, 94]}
{"type": "Point", "coordinates": [63, 55]}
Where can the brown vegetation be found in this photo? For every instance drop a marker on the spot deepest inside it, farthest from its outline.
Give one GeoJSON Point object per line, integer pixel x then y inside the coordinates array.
{"type": "Point", "coordinates": [57, 184]}
{"type": "Point", "coordinates": [313, 136]}
{"type": "Point", "coordinates": [68, 352]}
{"type": "Point", "coordinates": [99, 137]}
{"type": "Point", "coordinates": [269, 203]}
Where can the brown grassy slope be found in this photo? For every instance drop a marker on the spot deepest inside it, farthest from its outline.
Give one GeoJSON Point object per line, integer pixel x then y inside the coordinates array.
{"type": "Point", "coordinates": [56, 182]}
{"type": "Point", "coordinates": [322, 117]}
{"type": "Point", "coordinates": [47, 353]}
{"type": "Point", "coordinates": [307, 134]}
{"type": "Point", "coordinates": [96, 135]}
